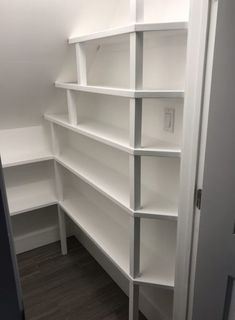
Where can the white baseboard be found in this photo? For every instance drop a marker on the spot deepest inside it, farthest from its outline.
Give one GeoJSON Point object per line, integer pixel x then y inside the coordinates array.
{"type": "Point", "coordinates": [39, 238]}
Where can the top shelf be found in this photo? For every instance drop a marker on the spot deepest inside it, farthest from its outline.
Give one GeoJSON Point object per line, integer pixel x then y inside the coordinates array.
{"type": "Point", "coordinates": [138, 27]}
{"type": "Point", "coordinates": [121, 92]}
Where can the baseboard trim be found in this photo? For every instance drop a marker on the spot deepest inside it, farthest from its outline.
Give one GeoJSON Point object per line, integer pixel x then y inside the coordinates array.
{"type": "Point", "coordinates": [33, 240]}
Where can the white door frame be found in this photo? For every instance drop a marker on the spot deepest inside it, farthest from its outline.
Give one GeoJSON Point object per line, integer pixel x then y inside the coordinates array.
{"type": "Point", "coordinates": [213, 263]}
{"type": "Point", "coordinates": [195, 80]}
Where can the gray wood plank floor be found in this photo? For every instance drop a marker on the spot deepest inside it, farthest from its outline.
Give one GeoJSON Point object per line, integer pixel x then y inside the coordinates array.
{"type": "Point", "coordinates": [72, 287]}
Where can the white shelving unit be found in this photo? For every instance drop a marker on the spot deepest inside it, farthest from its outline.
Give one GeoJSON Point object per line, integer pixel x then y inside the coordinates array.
{"type": "Point", "coordinates": [116, 180]}
{"type": "Point", "coordinates": [112, 165]}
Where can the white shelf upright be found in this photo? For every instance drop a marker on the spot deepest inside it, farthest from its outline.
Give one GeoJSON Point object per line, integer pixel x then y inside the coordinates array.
{"type": "Point", "coordinates": [136, 82]}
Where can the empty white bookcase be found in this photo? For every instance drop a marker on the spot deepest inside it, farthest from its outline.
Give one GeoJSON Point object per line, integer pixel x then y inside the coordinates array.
{"type": "Point", "coordinates": [118, 153]}
{"type": "Point", "coordinates": [112, 161]}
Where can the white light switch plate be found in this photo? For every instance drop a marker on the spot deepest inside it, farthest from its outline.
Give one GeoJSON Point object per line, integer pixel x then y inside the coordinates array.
{"type": "Point", "coordinates": [169, 119]}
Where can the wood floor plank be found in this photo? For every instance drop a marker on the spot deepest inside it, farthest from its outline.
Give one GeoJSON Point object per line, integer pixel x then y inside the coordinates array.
{"type": "Point", "coordinates": [72, 287]}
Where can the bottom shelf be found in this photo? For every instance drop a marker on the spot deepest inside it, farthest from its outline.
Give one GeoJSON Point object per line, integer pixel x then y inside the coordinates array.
{"type": "Point", "coordinates": [35, 229]}
{"type": "Point", "coordinates": [31, 196]}
{"type": "Point", "coordinates": [30, 187]}
{"type": "Point", "coordinates": [110, 237]}
{"type": "Point", "coordinates": [108, 227]}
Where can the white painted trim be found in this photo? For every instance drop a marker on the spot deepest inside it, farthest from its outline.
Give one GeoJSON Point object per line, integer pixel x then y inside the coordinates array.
{"type": "Point", "coordinates": [197, 37]}
{"type": "Point", "coordinates": [32, 240]}
{"type": "Point", "coordinates": [212, 24]}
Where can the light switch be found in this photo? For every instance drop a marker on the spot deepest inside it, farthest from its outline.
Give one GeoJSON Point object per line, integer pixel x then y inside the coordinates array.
{"type": "Point", "coordinates": [169, 119]}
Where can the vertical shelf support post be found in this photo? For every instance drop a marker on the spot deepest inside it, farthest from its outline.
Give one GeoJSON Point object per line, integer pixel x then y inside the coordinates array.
{"type": "Point", "coordinates": [58, 182]}
{"type": "Point", "coordinates": [135, 122]}
{"type": "Point", "coordinates": [62, 230]}
{"type": "Point", "coordinates": [54, 140]}
{"type": "Point", "coordinates": [81, 63]}
{"type": "Point", "coordinates": [137, 10]}
{"type": "Point", "coordinates": [134, 246]}
{"type": "Point", "coordinates": [136, 82]}
{"type": "Point", "coordinates": [136, 60]}
{"type": "Point", "coordinates": [133, 301]}
{"type": "Point", "coordinates": [59, 192]}
{"type": "Point", "coordinates": [72, 108]}
{"type": "Point", "coordinates": [135, 181]}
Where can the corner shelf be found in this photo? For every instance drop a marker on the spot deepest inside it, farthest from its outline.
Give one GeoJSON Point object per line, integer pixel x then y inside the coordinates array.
{"type": "Point", "coordinates": [23, 146]}
{"type": "Point", "coordinates": [137, 27]}
{"type": "Point", "coordinates": [30, 197]}
{"type": "Point", "coordinates": [30, 187]}
{"type": "Point", "coordinates": [105, 233]}
{"type": "Point", "coordinates": [121, 92]}
{"type": "Point", "coordinates": [86, 168]}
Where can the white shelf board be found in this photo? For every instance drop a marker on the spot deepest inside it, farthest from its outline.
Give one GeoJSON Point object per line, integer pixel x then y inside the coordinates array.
{"type": "Point", "coordinates": [156, 147]}
{"type": "Point", "coordinates": [139, 27]}
{"type": "Point", "coordinates": [153, 205]}
{"type": "Point", "coordinates": [101, 132]}
{"type": "Point", "coordinates": [23, 145]}
{"type": "Point", "coordinates": [112, 239]}
{"type": "Point", "coordinates": [116, 137]}
{"type": "Point", "coordinates": [121, 92]}
{"type": "Point", "coordinates": [30, 196]}
{"type": "Point", "coordinates": [115, 186]}
{"type": "Point", "coordinates": [24, 159]}
{"type": "Point", "coordinates": [156, 270]}
{"type": "Point", "coordinates": [103, 179]}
